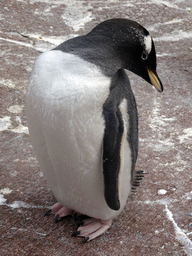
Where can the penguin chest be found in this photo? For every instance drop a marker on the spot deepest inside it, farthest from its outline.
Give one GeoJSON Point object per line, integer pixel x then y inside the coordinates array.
{"type": "Point", "coordinates": [64, 112]}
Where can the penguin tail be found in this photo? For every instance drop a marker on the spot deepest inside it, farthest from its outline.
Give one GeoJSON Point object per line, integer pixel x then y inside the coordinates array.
{"type": "Point", "coordinates": [138, 177]}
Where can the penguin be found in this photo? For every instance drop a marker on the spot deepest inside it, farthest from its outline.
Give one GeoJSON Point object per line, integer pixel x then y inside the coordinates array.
{"type": "Point", "coordinates": [83, 122]}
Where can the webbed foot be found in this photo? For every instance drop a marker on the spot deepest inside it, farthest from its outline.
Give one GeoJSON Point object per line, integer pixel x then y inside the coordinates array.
{"type": "Point", "coordinates": [92, 228]}
{"type": "Point", "coordinates": [89, 228]}
{"type": "Point", "coordinates": [59, 211]}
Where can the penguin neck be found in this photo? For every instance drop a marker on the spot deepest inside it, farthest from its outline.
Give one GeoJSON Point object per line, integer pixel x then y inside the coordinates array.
{"type": "Point", "coordinates": [100, 51]}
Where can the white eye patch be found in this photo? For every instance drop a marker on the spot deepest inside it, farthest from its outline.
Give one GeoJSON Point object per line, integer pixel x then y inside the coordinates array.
{"type": "Point", "coordinates": [148, 43]}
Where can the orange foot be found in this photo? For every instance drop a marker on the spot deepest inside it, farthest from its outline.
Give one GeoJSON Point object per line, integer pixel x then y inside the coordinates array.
{"type": "Point", "coordinates": [92, 228]}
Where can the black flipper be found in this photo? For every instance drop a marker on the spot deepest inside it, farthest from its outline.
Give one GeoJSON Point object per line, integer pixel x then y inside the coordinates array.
{"type": "Point", "coordinates": [114, 130]}
{"type": "Point", "coordinates": [111, 154]}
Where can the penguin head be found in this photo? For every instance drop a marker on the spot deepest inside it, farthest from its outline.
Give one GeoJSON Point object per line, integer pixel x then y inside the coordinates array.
{"type": "Point", "coordinates": [143, 60]}
{"type": "Point", "coordinates": [134, 46]}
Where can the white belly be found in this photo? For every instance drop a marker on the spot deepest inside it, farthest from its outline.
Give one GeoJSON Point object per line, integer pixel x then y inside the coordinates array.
{"type": "Point", "coordinates": [64, 113]}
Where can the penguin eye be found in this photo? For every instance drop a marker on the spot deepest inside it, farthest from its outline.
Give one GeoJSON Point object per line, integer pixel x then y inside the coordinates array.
{"type": "Point", "coordinates": [144, 56]}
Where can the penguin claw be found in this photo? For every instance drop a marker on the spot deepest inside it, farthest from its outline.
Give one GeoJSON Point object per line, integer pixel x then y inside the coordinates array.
{"type": "Point", "coordinates": [48, 212]}
{"type": "Point", "coordinates": [59, 211]}
{"type": "Point", "coordinates": [57, 218]}
{"type": "Point", "coordinates": [76, 233]}
{"type": "Point", "coordinates": [85, 240]}
{"type": "Point", "coordinates": [92, 228]}
{"type": "Point", "coordinates": [78, 219]}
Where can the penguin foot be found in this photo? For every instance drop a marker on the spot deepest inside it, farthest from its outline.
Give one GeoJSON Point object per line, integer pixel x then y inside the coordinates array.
{"type": "Point", "coordinates": [92, 228]}
{"type": "Point", "coordinates": [59, 211]}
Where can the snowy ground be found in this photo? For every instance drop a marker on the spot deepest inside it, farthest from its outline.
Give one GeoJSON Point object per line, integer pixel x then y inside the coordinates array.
{"type": "Point", "coordinates": [158, 219]}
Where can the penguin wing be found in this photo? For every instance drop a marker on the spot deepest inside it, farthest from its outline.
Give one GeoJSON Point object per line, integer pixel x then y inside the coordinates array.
{"type": "Point", "coordinates": [120, 136]}
{"type": "Point", "coordinates": [111, 152]}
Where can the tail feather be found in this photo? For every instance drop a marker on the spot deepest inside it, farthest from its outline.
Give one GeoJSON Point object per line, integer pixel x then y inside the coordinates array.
{"type": "Point", "coordinates": [138, 176]}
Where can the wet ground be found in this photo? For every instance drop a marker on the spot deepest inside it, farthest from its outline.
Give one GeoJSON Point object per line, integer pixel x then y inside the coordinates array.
{"type": "Point", "coordinates": [158, 218]}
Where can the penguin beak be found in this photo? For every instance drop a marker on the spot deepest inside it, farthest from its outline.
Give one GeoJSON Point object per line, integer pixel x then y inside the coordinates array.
{"type": "Point", "coordinates": [155, 81]}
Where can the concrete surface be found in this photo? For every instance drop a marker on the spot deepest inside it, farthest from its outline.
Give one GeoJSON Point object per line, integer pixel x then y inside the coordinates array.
{"type": "Point", "coordinates": [158, 218]}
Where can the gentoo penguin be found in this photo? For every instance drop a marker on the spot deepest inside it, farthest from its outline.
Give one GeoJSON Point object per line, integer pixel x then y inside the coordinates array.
{"type": "Point", "coordinates": [83, 123]}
